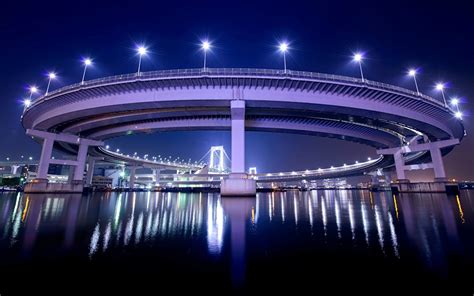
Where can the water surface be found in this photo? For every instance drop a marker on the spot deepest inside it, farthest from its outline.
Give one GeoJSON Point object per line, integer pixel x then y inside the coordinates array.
{"type": "Point", "coordinates": [318, 242]}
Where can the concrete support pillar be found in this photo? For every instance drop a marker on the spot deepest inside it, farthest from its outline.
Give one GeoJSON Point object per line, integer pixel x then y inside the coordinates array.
{"type": "Point", "coordinates": [238, 183]}
{"type": "Point", "coordinates": [156, 173]}
{"type": "Point", "coordinates": [81, 162]}
{"type": "Point", "coordinates": [131, 183]}
{"type": "Point", "coordinates": [238, 135]}
{"type": "Point", "coordinates": [70, 174]}
{"type": "Point", "coordinates": [90, 171]}
{"type": "Point", "coordinates": [399, 165]}
{"type": "Point", "coordinates": [438, 164]}
{"type": "Point", "coordinates": [46, 152]}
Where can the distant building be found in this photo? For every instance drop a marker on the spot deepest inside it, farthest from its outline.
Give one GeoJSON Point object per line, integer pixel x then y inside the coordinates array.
{"type": "Point", "coordinates": [102, 182]}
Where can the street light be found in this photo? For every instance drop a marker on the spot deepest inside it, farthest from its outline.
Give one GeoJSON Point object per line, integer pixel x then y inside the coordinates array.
{"type": "Point", "coordinates": [51, 76]}
{"type": "Point", "coordinates": [455, 102]}
{"type": "Point", "coordinates": [205, 46]}
{"type": "Point", "coordinates": [27, 103]}
{"type": "Point", "coordinates": [33, 90]}
{"type": "Point", "coordinates": [440, 87]}
{"type": "Point", "coordinates": [412, 73]}
{"type": "Point", "coordinates": [358, 57]}
{"type": "Point", "coordinates": [283, 47]}
{"type": "Point", "coordinates": [87, 62]}
{"type": "Point", "coordinates": [141, 51]}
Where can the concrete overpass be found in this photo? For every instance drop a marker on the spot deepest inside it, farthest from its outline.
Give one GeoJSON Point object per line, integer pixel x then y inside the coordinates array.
{"type": "Point", "coordinates": [383, 116]}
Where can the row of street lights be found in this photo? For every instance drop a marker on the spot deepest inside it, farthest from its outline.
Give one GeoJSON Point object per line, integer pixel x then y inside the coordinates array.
{"type": "Point", "coordinates": [283, 47]}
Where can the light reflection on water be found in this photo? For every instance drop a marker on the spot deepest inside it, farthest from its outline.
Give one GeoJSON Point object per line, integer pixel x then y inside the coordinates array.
{"type": "Point", "coordinates": [428, 225]}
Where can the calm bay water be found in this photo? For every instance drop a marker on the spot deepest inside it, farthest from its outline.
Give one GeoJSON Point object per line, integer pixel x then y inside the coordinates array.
{"type": "Point", "coordinates": [333, 241]}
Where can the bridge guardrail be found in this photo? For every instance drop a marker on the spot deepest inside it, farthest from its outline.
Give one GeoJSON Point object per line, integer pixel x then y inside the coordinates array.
{"type": "Point", "coordinates": [250, 72]}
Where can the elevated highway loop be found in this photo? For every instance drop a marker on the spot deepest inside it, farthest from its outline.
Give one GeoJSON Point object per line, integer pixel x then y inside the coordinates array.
{"type": "Point", "coordinates": [367, 112]}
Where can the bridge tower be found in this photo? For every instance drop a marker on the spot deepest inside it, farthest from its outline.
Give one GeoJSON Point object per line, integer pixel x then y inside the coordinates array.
{"type": "Point", "coordinates": [217, 158]}
{"type": "Point", "coordinates": [238, 183]}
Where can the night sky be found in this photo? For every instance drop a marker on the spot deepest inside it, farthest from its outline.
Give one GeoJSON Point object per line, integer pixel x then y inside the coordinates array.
{"type": "Point", "coordinates": [41, 36]}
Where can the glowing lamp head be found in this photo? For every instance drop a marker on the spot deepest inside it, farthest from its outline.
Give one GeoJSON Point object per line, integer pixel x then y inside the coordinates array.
{"type": "Point", "coordinates": [458, 115]}
{"type": "Point", "coordinates": [33, 89]}
{"type": "Point", "coordinates": [358, 57]}
{"type": "Point", "coordinates": [142, 50]}
{"type": "Point", "coordinates": [27, 102]}
{"type": "Point", "coordinates": [206, 45]}
{"type": "Point", "coordinates": [283, 47]}
{"type": "Point", "coordinates": [412, 72]}
{"type": "Point", "coordinates": [87, 62]}
{"type": "Point", "coordinates": [440, 86]}
{"type": "Point", "coordinates": [454, 101]}
{"type": "Point", "coordinates": [52, 75]}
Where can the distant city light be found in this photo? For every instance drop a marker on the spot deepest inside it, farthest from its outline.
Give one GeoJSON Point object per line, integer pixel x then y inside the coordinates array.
{"type": "Point", "coordinates": [118, 150]}
{"type": "Point", "coordinates": [107, 147]}
{"type": "Point", "coordinates": [369, 158]}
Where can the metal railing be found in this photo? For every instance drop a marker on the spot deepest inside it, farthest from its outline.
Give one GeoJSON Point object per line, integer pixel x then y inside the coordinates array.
{"type": "Point", "coordinates": [231, 72]}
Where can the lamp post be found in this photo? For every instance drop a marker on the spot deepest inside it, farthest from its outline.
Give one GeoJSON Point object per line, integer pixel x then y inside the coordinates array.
{"type": "Point", "coordinates": [27, 103]}
{"type": "Point", "coordinates": [33, 90]}
{"type": "Point", "coordinates": [87, 62]}
{"type": "Point", "coordinates": [440, 87]}
{"type": "Point", "coordinates": [205, 46]}
{"type": "Point", "coordinates": [412, 73]}
{"type": "Point", "coordinates": [283, 49]}
{"type": "Point", "coordinates": [455, 102]}
{"type": "Point", "coordinates": [141, 51]}
{"type": "Point", "coordinates": [51, 76]}
{"type": "Point", "coordinates": [358, 57]}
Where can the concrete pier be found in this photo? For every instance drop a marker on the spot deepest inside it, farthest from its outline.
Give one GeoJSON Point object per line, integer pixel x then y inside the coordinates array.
{"type": "Point", "coordinates": [238, 185]}
{"type": "Point", "coordinates": [42, 186]}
